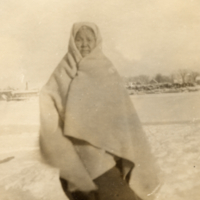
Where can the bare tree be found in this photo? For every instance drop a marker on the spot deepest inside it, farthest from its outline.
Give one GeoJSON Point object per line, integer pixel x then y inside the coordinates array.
{"type": "Point", "coordinates": [194, 75]}
{"type": "Point", "coordinates": [163, 78]}
{"type": "Point", "coordinates": [183, 73]}
{"type": "Point", "coordinates": [141, 79]}
{"type": "Point", "coordinates": [144, 79]}
{"type": "Point", "coordinates": [158, 78]}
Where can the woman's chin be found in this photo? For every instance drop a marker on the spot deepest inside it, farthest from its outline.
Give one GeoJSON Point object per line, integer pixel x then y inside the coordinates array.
{"type": "Point", "coordinates": [85, 53]}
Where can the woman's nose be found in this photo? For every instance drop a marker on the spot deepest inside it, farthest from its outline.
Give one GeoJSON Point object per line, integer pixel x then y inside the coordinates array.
{"type": "Point", "coordinates": [84, 43]}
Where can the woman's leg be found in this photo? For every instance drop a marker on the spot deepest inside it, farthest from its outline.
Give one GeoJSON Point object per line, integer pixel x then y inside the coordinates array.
{"type": "Point", "coordinates": [77, 195]}
{"type": "Point", "coordinates": [64, 185]}
{"type": "Point", "coordinates": [113, 187]}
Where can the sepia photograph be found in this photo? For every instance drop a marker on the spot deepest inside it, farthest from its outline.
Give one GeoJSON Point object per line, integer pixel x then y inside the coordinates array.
{"type": "Point", "coordinates": [99, 100]}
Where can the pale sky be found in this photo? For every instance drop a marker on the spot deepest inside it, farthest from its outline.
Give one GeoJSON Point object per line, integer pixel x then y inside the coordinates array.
{"type": "Point", "coordinates": [139, 36]}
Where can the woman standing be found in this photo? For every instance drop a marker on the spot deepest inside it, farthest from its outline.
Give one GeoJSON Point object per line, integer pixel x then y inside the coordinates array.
{"type": "Point", "coordinates": [90, 129]}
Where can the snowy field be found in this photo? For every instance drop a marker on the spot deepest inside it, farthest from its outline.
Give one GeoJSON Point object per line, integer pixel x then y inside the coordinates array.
{"type": "Point", "coordinates": [171, 122]}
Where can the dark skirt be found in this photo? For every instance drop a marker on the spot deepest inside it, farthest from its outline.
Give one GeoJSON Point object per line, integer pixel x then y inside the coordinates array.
{"type": "Point", "coordinates": [111, 186]}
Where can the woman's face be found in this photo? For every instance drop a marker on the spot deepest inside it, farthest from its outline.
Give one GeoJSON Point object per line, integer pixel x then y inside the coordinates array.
{"type": "Point", "coordinates": [85, 41]}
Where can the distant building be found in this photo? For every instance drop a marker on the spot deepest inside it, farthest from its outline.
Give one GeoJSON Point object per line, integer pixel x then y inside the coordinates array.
{"type": "Point", "coordinates": [153, 81]}
{"type": "Point", "coordinates": [177, 79]}
{"type": "Point", "coordinates": [197, 80]}
{"type": "Point", "coordinates": [5, 94]}
{"type": "Point", "coordinates": [20, 95]}
{"type": "Point", "coordinates": [10, 95]}
{"type": "Point", "coordinates": [188, 78]}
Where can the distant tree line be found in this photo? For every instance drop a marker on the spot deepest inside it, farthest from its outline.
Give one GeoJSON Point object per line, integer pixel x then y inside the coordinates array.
{"type": "Point", "coordinates": [181, 76]}
{"type": "Point", "coordinates": [164, 83]}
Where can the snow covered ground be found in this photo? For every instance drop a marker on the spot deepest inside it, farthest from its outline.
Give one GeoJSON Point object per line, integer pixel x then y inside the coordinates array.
{"type": "Point", "coordinates": [170, 121]}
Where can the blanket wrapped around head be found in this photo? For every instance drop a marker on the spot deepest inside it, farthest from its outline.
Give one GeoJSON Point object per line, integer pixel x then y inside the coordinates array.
{"type": "Point", "coordinates": [85, 99]}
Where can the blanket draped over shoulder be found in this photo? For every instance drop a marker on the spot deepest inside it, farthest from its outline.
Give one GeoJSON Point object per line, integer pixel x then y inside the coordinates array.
{"type": "Point", "coordinates": [85, 99]}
